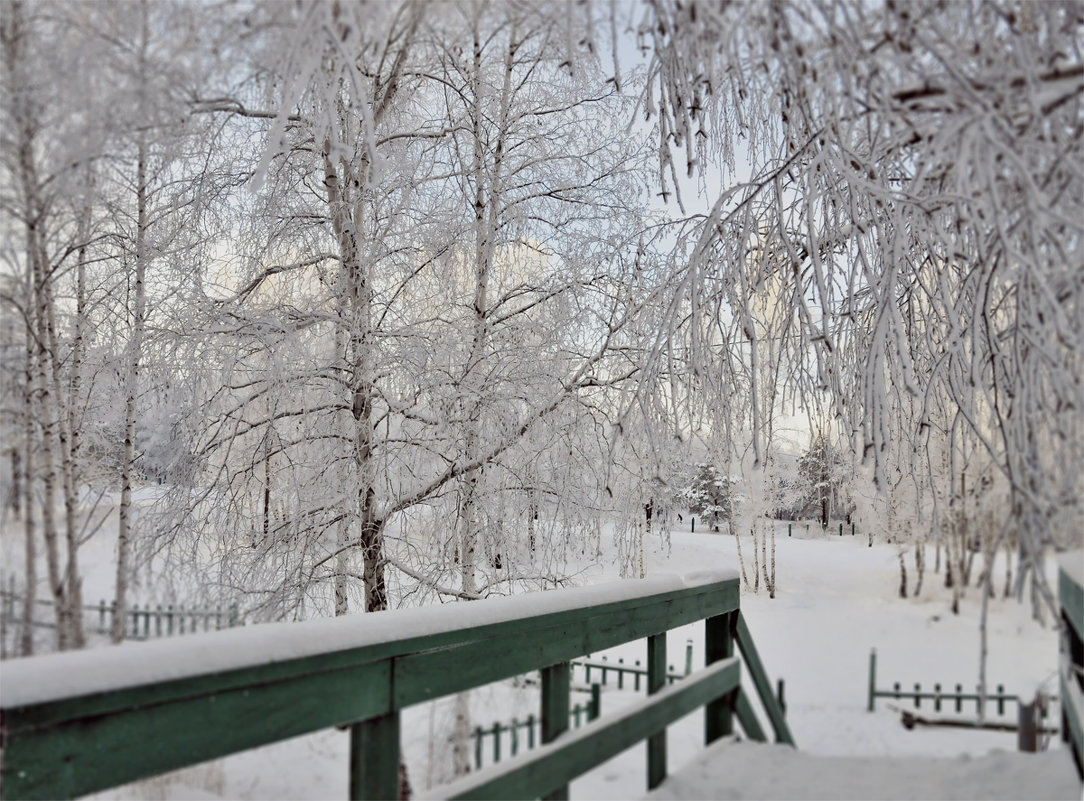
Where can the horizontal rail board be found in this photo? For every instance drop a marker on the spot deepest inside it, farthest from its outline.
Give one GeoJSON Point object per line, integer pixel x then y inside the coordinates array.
{"type": "Point", "coordinates": [1072, 709]}
{"type": "Point", "coordinates": [572, 754]}
{"type": "Point", "coordinates": [219, 705]}
{"type": "Point", "coordinates": [1071, 599]}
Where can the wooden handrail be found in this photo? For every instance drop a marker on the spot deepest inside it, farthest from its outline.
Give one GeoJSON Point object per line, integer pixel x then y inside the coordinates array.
{"type": "Point", "coordinates": [1071, 671]}
{"type": "Point", "coordinates": [75, 723]}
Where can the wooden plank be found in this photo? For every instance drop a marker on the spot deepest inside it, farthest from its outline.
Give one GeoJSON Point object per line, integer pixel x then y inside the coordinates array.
{"type": "Point", "coordinates": [78, 757]}
{"type": "Point", "coordinates": [374, 758]}
{"type": "Point", "coordinates": [656, 680]}
{"type": "Point", "coordinates": [719, 645]}
{"type": "Point", "coordinates": [762, 683]}
{"type": "Point", "coordinates": [491, 656]}
{"type": "Point", "coordinates": [748, 719]}
{"type": "Point", "coordinates": [556, 697]}
{"type": "Point", "coordinates": [550, 766]}
{"type": "Point", "coordinates": [687, 606]}
{"type": "Point", "coordinates": [1071, 600]}
{"type": "Point", "coordinates": [1072, 706]}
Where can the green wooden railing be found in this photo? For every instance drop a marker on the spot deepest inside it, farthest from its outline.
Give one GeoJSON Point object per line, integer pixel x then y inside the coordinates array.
{"type": "Point", "coordinates": [75, 723]}
{"type": "Point", "coordinates": [1071, 672]}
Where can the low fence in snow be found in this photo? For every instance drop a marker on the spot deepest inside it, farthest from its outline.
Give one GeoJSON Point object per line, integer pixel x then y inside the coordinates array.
{"type": "Point", "coordinates": [141, 622]}
{"type": "Point", "coordinates": [77, 722]}
{"type": "Point", "coordinates": [954, 698]}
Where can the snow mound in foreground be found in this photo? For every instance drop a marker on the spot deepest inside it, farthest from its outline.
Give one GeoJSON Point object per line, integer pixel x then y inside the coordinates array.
{"type": "Point", "coordinates": [732, 770]}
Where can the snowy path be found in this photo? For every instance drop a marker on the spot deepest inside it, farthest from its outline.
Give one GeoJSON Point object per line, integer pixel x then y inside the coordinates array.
{"type": "Point", "coordinates": [731, 770]}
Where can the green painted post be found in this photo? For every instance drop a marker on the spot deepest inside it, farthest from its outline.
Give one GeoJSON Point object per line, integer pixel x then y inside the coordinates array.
{"type": "Point", "coordinates": [692, 528]}
{"type": "Point", "coordinates": [478, 748]}
{"type": "Point", "coordinates": [937, 698]}
{"type": "Point", "coordinates": [896, 688]}
{"type": "Point", "coordinates": [620, 674]}
{"type": "Point", "coordinates": [636, 677]}
{"type": "Point", "coordinates": [790, 533]}
{"type": "Point", "coordinates": [841, 529]}
{"type": "Point", "coordinates": [147, 622]}
{"type": "Point", "coordinates": [101, 615]}
{"type": "Point", "coordinates": [180, 617]}
{"type": "Point", "coordinates": [918, 696]}
{"type": "Point", "coordinates": [556, 693]}
{"type": "Point", "coordinates": [688, 657]}
{"type": "Point", "coordinates": [872, 680]}
{"type": "Point", "coordinates": [719, 644]}
{"type": "Point", "coordinates": [1001, 699]}
{"type": "Point", "coordinates": [587, 671]}
{"type": "Point", "coordinates": [515, 737]}
{"type": "Point", "coordinates": [496, 742]}
{"type": "Point", "coordinates": [158, 620]}
{"type": "Point", "coordinates": [374, 758]}
{"type": "Point", "coordinates": [852, 528]}
{"type": "Point", "coordinates": [596, 702]}
{"type": "Point", "coordinates": [530, 724]}
{"type": "Point", "coordinates": [656, 680]}
{"type": "Point", "coordinates": [959, 697]}
{"type": "Point", "coordinates": [169, 620]}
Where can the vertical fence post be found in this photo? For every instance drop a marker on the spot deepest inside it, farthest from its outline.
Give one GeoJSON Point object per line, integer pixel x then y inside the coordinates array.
{"type": "Point", "coordinates": [719, 644]}
{"type": "Point", "coordinates": [918, 695]}
{"type": "Point", "coordinates": [1027, 735]}
{"type": "Point", "coordinates": [478, 748]}
{"type": "Point", "coordinates": [158, 620]}
{"type": "Point", "coordinates": [656, 680]}
{"type": "Point", "coordinates": [596, 702]}
{"type": "Point", "coordinates": [496, 742]}
{"type": "Point", "coordinates": [636, 677]}
{"type": "Point", "coordinates": [374, 758]}
{"type": "Point", "coordinates": [620, 674]}
{"type": "Point", "coordinates": [692, 526]}
{"type": "Point", "coordinates": [789, 531]}
{"type": "Point", "coordinates": [556, 693]}
{"type": "Point", "coordinates": [688, 657]}
{"type": "Point", "coordinates": [1001, 699]}
{"type": "Point", "coordinates": [530, 725]}
{"type": "Point", "coordinates": [872, 679]}
{"type": "Point", "coordinates": [937, 698]}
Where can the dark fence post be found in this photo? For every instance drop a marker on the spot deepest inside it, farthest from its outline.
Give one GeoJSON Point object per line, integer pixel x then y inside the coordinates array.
{"type": "Point", "coordinates": [656, 680]}
{"type": "Point", "coordinates": [374, 758]}
{"type": "Point", "coordinates": [478, 748]}
{"type": "Point", "coordinates": [872, 679]}
{"type": "Point", "coordinates": [556, 693]}
{"type": "Point", "coordinates": [719, 644]}
{"type": "Point", "coordinates": [1027, 736]}
{"type": "Point", "coordinates": [596, 702]}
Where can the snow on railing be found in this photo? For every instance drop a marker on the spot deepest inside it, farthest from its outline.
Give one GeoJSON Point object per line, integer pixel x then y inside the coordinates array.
{"type": "Point", "coordinates": [74, 723]}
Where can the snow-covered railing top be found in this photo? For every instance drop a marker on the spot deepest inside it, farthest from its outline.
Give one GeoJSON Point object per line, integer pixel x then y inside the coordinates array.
{"type": "Point", "coordinates": [75, 723]}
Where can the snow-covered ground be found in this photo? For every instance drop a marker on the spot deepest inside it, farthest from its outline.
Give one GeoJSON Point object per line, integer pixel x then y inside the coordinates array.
{"type": "Point", "coordinates": [836, 599]}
